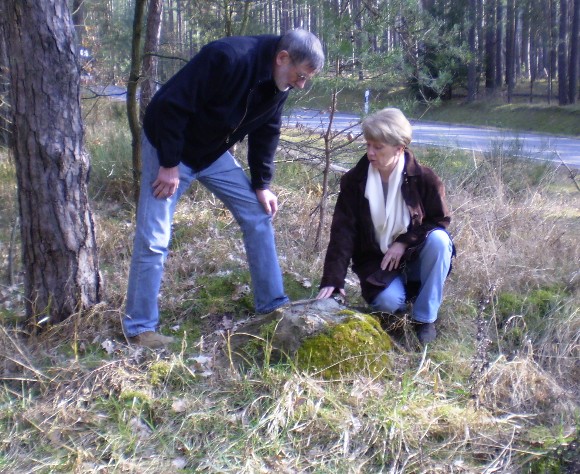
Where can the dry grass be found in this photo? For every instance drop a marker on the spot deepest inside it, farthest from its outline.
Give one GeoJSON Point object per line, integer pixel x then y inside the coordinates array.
{"type": "Point", "coordinates": [497, 392]}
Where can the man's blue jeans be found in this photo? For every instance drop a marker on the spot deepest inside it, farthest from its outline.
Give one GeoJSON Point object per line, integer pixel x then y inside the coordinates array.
{"type": "Point", "coordinates": [430, 269]}
{"type": "Point", "coordinates": [228, 181]}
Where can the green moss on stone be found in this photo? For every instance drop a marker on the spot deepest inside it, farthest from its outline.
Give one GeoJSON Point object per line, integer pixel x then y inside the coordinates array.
{"type": "Point", "coordinates": [261, 343]}
{"type": "Point", "coordinates": [358, 345]}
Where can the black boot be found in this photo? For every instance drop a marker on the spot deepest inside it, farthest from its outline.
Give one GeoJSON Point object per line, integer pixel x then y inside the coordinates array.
{"type": "Point", "coordinates": [426, 332]}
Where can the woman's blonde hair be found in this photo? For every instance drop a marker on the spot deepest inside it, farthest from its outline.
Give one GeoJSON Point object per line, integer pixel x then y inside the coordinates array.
{"type": "Point", "coordinates": [388, 126]}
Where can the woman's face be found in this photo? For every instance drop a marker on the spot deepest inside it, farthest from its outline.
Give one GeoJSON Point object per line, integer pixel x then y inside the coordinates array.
{"type": "Point", "coordinates": [383, 156]}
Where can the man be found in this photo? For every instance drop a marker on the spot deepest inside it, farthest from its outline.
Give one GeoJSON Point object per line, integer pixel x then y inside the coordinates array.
{"type": "Point", "coordinates": [234, 87]}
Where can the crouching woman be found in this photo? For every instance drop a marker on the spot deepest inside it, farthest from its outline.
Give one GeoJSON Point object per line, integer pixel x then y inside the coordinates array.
{"type": "Point", "coordinates": [390, 220]}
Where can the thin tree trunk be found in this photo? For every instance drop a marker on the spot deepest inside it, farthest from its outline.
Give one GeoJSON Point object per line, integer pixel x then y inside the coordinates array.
{"type": "Point", "coordinates": [227, 19]}
{"type": "Point", "coordinates": [132, 86]}
{"type": "Point", "coordinates": [510, 42]}
{"type": "Point", "coordinates": [245, 18]}
{"type": "Point", "coordinates": [574, 59]}
{"type": "Point", "coordinates": [553, 48]}
{"type": "Point", "coordinates": [498, 45]}
{"type": "Point", "coordinates": [526, 31]}
{"type": "Point", "coordinates": [5, 109]}
{"type": "Point", "coordinates": [490, 48]}
{"type": "Point", "coordinates": [563, 54]}
{"type": "Point", "coordinates": [480, 44]}
{"type": "Point", "coordinates": [534, 60]}
{"type": "Point", "coordinates": [79, 16]}
{"type": "Point", "coordinates": [150, 59]}
{"type": "Point", "coordinates": [59, 250]}
{"type": "Point", "coordinates": [285, 16]}
{"type": "Point", "coordinates": [472, 65]}
{"type": "Point", "coordinates": [327, 162]}
{"type": "Point", "coordinates": [358, 43]}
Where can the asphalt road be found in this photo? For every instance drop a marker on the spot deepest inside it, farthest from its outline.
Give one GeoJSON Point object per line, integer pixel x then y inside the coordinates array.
{"type": "Point", "coordinates": [530, 145]}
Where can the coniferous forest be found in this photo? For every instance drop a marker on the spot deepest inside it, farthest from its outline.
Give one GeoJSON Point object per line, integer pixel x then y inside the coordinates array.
{"type": "Point", "coordinates": [496, 392]}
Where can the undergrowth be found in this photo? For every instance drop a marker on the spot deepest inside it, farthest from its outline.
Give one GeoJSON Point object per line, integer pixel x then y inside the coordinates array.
{"type": "Point", "coordinates": [497, 392]}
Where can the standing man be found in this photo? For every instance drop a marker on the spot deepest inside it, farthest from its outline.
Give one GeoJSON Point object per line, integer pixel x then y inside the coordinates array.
{"type": "Point", "coordinates": [233, 87]}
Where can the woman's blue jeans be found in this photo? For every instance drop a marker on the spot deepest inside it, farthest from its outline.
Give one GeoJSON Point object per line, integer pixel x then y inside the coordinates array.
{"type": "Point", "coordinates": [430, 269]}
{"type": "Point", "coordinates": [228, 181]}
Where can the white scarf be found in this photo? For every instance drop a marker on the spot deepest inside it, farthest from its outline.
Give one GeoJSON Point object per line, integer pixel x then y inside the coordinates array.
{"type": "Point", "coordinates": [390, 218]}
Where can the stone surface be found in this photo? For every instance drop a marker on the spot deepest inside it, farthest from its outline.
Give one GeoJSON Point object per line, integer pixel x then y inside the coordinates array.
{"type": "Point", "coordinates": [319, 336]}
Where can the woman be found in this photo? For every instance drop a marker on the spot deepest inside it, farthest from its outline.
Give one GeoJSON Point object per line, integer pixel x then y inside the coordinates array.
{"type": "Point", "coordinates": [390, 220]}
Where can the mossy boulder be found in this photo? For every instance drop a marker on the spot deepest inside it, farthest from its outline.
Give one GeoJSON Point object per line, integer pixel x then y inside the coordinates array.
{"type": "Point", "coordinates": [357, 345]}
{"type": "Point", "coordinates": [318, 336]}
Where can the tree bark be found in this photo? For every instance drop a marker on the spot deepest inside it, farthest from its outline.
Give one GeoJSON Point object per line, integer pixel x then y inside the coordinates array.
{"type": "Point", "coordinates": [150, 59]}
{"type": "Point", "coordinates": [563, 54]}
{"type": "Point", "coordinates": [132, 86]}
{"type": "Point", "coordinates": [285, 16]}
{"type": "Point", "coordinates": [534, 56]}
{"type": "Point", "coordinates": [525, 43]}
{"type": "Point", "coordinates": [472, 65]}
{"type": "Point", "coordinates": [498, 44]}
{"type": "Point", "coordinates": [59, 250]}
{"type": "Point", "coordinates": [574, 60]}
{"type": "Point", "coordinates": [553, 47]}
{"type": "Point", "coordinates": [245, 18]}
{"type": "Point", "coordinates": [490, 48]}
{"type": "Point", "coordinates": [510, 43]}
{"type": "Point", "coordinates": [5, 109]}
{"type": "Point", "coordinates": [79, 16]}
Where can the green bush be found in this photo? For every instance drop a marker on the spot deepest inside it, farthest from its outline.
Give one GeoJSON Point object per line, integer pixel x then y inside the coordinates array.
{"type": "Point", "coordinates": [111, 175]}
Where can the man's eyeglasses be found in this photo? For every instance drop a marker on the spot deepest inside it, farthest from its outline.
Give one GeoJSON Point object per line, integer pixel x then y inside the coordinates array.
{"type": "Point", "coordinates": [301, 76]}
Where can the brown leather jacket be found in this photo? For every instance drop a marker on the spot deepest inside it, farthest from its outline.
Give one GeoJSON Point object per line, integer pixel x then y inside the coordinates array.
{"type": "Point", "coordinates": [352, 235]}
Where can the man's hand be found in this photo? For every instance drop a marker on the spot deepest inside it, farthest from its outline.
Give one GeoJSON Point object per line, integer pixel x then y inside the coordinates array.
{"type": "Point", "coordinates": [166, 183]}
{"type": "Point", "coordinates": [269, 200]}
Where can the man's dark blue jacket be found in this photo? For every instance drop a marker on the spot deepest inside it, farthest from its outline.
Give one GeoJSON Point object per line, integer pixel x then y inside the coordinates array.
{"type": "Point", "coordinates": [222, 94]}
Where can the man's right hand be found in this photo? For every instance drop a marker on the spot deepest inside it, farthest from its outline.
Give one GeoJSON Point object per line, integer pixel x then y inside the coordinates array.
{"type": "Point", "coordinates": [166, 183]}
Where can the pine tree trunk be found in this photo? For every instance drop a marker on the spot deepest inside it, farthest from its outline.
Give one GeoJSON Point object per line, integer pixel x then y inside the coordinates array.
{"type": "Point", "coordinates": [553, 54]}
{"type": "Point", "coordinates": [472, 65]}
{"type": "Point", "coordinates": [510, 43]}
{"type": "Point", "coordinates": [132, 103]}
{"type": "Point", "coordinates": [285, 16]}
{"type": "Point", "coordinates": [59, 250]}
{"type": "Point", "coordinates": [5, 110]}
{"type": "Point", "coordinates": [563, 54]}
{"type": "Point", "coordinates": [498, 45]}
{"type": "Point", "coordinates": [490, 48]}
{"type": "Point", "coordinates": [525, 49]}
{"type": "Point", "coordinates": [79, 16]}
{"type": "Point", "coordinates": [574, 60]}
{"type": "Point", "coordinates": [150, 60]}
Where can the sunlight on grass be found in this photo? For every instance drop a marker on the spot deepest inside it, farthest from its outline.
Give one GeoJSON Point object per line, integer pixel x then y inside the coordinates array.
{"type": "Point", "coordinates": [497, 390]}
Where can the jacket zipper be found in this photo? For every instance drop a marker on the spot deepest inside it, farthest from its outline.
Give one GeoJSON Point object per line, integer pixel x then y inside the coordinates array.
{"type": "Point", "coordinates": [243, 116]}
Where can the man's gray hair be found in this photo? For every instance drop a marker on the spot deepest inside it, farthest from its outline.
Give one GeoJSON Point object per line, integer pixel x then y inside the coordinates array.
{"type": "Point", "coordinates": [303, 47]}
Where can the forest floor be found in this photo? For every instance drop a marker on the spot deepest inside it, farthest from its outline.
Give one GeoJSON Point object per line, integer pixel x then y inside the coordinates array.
{"type": "Point", "coordinates": [497, 391]}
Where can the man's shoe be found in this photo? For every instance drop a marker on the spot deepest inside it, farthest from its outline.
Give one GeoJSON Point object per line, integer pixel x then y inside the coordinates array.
{"type": "Point", "coordinates": [426, 332]}
{"type": "Point", "coordinates": [151, 339]}
{"type": "Point", "coordinates": [278, 312]}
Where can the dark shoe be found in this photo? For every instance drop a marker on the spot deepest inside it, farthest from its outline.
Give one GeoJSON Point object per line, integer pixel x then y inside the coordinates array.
{"type": "Point", "coordinates": [278, 312]}
{"type": "Point", "coordinates": [426, 332]}
{"type": "Point", "coordinates": [150, 339]}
